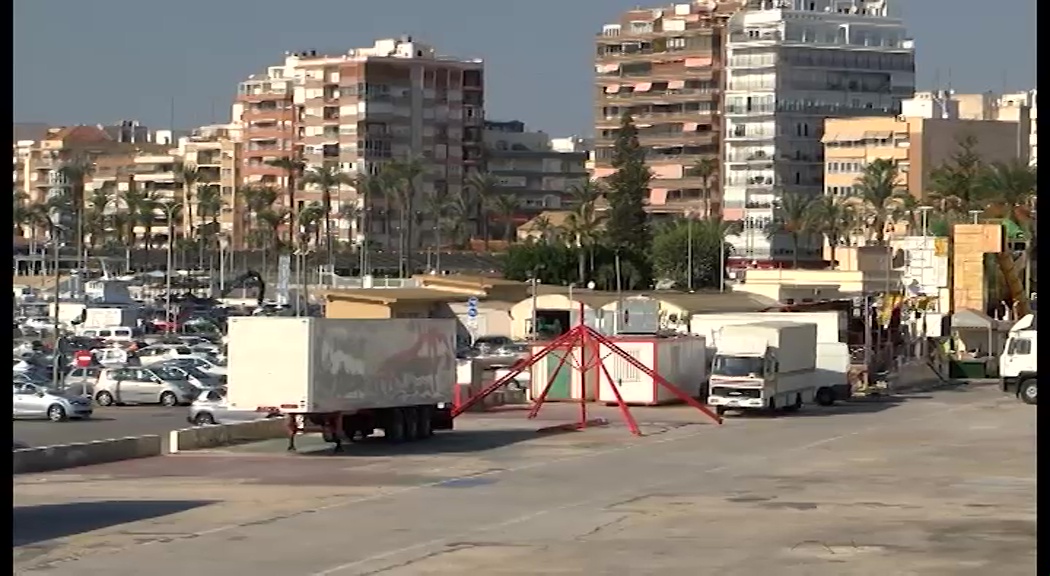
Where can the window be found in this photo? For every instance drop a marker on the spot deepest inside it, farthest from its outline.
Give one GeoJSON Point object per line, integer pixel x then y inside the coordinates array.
{"type": "Point", "coordinates": [1019, 347]}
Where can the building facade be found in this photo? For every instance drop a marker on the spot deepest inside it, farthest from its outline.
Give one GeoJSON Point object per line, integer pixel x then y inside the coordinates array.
{"type": "Point", "coordinates": [398, 99]}
{"type": "Point", "coordinates": [213, 154]}
{"type": "Point", "coordinates": [528, 168]}
{"type": "Point", "coordinates": [791, 64]}
{"type": "Point", "coordinates": [664, 67]}
{"type": "Point", "coordinates": [917, 145]}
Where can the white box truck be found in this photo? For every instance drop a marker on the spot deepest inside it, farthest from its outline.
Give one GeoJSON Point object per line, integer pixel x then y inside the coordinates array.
{"type": "Point", "coordinates": [832, 353]}
{"type": "Point", "coordinates": [1018, 363]}
{"type": "Point", "coordinates": [764, 366]}
{"type": "Point", "coordinates": [346, 378]}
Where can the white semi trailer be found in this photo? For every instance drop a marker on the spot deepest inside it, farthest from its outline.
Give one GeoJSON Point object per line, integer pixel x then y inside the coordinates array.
{"type": "Point", "coordinates": [764, 366]}
{"type": "Point", "coordinates": [345, 378]}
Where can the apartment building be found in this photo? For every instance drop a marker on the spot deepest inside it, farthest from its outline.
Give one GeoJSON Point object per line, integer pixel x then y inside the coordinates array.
{"type": "Point", "coordinates": [213, 153]}
{"type": "Point", "coordinates": [1018, 108]}
{"type": "Point", "coordinates": [665, 67]}
{"type": "Point", "coordinates": [917, 145]}
{"type": "Point", "coordinates": [791, 64]}
{"type": "Point", "coordinates": [398, 99]}
{"type": "Point", "coordinates": [529, 168]}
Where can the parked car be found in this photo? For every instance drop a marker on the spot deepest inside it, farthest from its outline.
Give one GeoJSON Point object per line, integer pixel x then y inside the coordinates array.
{"type": "Point", "coordinates": [33, 401]}
{"type": "Point", "coordinates": [39, 324]}
{"type": "Point", "coordinates": [143, 385]}
{"type": "Point", "coordinates": [211, 407]}
{"type": "Point", "coordinates": [82, 379]}
{"type": "Point", "coordinates": [202, 380]}
{"type": "Point", "coordinates": [161, 352]}
{"type": "Point", "coordinates": [204, 364]}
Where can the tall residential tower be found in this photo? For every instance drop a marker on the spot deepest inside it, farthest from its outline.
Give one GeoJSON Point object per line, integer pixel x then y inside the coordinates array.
{"type": "Point", "coordinates": [791, 64]}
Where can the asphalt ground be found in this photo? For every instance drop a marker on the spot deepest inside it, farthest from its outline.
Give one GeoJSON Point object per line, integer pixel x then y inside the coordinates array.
{"type": "Point", "coordinates": [933, 483]}
{"type": "Point", "coordinates": [105, 423]}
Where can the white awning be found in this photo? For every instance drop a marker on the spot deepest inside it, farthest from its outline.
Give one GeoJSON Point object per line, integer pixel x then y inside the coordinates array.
{"type": "Point", "coordinates": [612, 89]}
{"type": "Point", "coordinates": [643, 86]}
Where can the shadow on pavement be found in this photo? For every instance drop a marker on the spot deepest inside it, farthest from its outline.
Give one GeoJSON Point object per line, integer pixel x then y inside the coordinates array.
{"type": "Point", "coordinates": [867, 405]}
{"type": "Point", "coordinates": [33, 524]}
{"type": "Point", "coordinates": [454, 442]}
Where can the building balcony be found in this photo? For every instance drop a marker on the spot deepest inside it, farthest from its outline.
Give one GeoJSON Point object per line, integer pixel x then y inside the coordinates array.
{"type": "Point", "coordinates": [275, 115]}
{"type": "Point", "coordinates": [267, 97]}
{"type": "Point", "coordinates": [267, 134]}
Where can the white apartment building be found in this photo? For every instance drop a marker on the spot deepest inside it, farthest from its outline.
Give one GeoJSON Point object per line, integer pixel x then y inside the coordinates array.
{"type": "Point", "coordinates": [790, 65]}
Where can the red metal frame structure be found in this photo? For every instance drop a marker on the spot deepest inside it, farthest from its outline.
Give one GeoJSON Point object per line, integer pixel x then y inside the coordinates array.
{"type": "Point", "coordinates": [588, 341]}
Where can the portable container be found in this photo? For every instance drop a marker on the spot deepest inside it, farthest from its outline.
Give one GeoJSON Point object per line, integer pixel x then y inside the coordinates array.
{"type": "Point", "coordinates": [680, 360]}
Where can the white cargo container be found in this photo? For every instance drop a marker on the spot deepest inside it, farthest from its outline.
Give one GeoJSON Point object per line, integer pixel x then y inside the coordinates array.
{"type": "Point", "coordinates": [566, 383]}
{"type": "Point", "coordinates": [831, 324]}
{"type": "Point", "coordinates": [349, 376]}
{"type": "Point", "coordinates": [680, 360]}
{"type": "Point", "coordinates": [765, 365]}
{"type": "Point", "coordinates": [108, 317]}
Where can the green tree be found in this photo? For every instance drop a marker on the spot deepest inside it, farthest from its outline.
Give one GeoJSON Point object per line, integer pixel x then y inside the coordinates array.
{"type": "Point", "coordinates": [958, 185]}
{"type": "Point", "coordinates": [705, 169]}
{"type": "Point", "coordinates": [403, 176]}
{"type": "Point", "coordinates": [327, 178]}
{"type": "Point", "coordinates": [483, 188]}
{"type": "Point", "coordinates": [671, 244]}
{"type": "Point", "coordinates": [627, 227]}
{"type": "Point", "coordinates": [1011, 190]}
{"type": "Point", "coordinates": [76, 172]}
{"type": "Point", "coordinates": [550, 263]}
{"type": "Point", "coordinates": [833, 218]}
{"type": "Point", "coordinates": [793, 216]}
{"type": "Point", "coordinates": [293, 167]}
{"type": "Point", "coordinates": [878, 189]}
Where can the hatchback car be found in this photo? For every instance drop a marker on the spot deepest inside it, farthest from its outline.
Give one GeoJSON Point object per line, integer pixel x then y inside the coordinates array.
{"type": "Point", "coordinates": [161, 352]}
{"type": "Point", "coordinates": [202, 380]}
{"type": "Point", "coordinates": [211, 407]}
{"type": "Point", "coordinates": [138, 385]}
{"type": "Point", "coordinates": [204, 364]}
{"type": "Point", "coordinates": [82, 379]}
{"type": "Point", "coordinates": [32, 401]}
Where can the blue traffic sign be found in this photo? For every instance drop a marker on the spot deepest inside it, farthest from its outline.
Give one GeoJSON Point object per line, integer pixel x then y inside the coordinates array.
{"type": "Point", "coordinates": [472, 301]}
{"type": "Point", "coordinates": [472, 312]}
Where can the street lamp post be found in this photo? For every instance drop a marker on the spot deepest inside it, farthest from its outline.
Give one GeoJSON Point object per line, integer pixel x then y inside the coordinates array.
{"type": "Point", "coordinates": [169, 211]}
{"type": "Point", "coordinates": [56, 368]}
{"type": "Point", "coordinates": [974, 214]}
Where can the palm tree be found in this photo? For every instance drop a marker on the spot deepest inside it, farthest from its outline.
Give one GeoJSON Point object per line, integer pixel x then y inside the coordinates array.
{"type": "Point", "coordinates": [369, 188]}
{"type": "Point", "coordinates": [209, 208]}
{"type": "Point", "coordinates": [584, 223]}
{"type": "Point", "coordinates": [190, 177]}
{"type": "Point", "coordinates": [958, 185]}
{"type": "Point", "coordinates": [76, 172]}
{"type": "Point", "coordinates": [831, 217]}
{"type": "Point", "coordinates": [705, 169]}
{"type": "Point", "coordinates": [95, 217]}
{"type": "Point", "coordinates": [792, 215]}
{"type": "Point", "coordinates": [482, 187]}
{"type": "Point", "coordinates": [543, 225]}
{"type": "Point", "coordinates": [440, 206]}
{"type": "Point", "coordinates": [310, 223]}
{"type": "Point", "coordinates": [23, 214]}
{"type": "Point", "coordinates": [878, 189]}
{"type": "Point", "coordinates": [327, 178]}
{"type": "Point", "coordinates": [293, 166]}
{"type": "Point", "coordinates": [1011, 190]}
{"type": "Point", "coordinates": [506, 207]}
{"type": "Point", "coordinates": [402, 177]}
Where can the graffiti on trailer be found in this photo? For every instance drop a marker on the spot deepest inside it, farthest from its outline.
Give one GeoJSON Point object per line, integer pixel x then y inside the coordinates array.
{"type": "Point", "coordinates": [369, 368]}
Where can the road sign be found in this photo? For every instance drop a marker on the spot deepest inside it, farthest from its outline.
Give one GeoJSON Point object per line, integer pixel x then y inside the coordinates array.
{"type": "Point", "coordinates": [82, 358]}
{"type": "Point", "coordinates": [472, 301]}
{"type": "Point", "coordinates": [472, 312]}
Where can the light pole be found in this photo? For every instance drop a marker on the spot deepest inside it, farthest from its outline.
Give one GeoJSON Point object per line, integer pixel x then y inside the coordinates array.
{"type": "Point", "coordinates": [56, 368]}
{"type": "Point", "coordinates": [224, 243]}
{"type": "Point", "coordinates": [169, 211]}
{"type": "Point", "coordinates": [689, 250]}
{"type": "Point", "coordinates": [974, 214]}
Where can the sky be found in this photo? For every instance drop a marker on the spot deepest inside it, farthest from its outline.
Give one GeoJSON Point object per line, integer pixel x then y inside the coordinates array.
{"type": "Point", "coordinates": [78, 62]}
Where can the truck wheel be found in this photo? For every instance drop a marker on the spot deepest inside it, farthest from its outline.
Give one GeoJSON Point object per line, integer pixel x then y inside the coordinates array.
{"type": "Point", "coordinates": [411, 423]}
{"type": "Point", "coordinates": [772, 405]}
{"type": "Point", "coordinates": [394, 431]}
{"type": "Point", "coordinates": [426, 422]}
{"type": "Point", "coordinates": [1027, 391]}
{"type": "Point", "coordinates": [794, 406]}
{"type": "Point", "coordinates": [825, 397]}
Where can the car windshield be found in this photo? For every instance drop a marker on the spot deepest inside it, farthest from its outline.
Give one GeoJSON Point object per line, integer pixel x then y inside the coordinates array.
{"type": "Point", "coordinates": [737, 366]}
{"type": "Point", "coordinates": [194, 371]}
{"type": "Point", "coordinates": [169, 373]}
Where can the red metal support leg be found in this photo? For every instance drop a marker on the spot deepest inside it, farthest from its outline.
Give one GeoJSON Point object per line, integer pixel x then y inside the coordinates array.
{"type": "Point", "coordinates": [632, 425]}
{"type": "Point", "coordinates": [658, 378]}
{"type": "Point", "coordinates": [585, 342]}
{"type": "Point", "coordinates": [518, 367]}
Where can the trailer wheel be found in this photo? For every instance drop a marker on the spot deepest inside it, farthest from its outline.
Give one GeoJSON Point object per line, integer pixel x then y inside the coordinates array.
{"type": "Point", "coordinates": [394, 431]}
{"type": "Point", "coordinates": [425, 427]}
{"type": "Point", "coordinates": [411, 423]}
{"type": "Point", "coordinates": [825, 397]}
{"type": "Point", "coordinates": [1027, 391]}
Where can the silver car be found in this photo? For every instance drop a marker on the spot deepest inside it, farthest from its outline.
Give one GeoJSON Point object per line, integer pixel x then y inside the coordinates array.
{"type": "Point", "coordinates": [211, 407]}
{"type": "Point", "coordinates": [143, 385]}
{"type": "Point", "coordinates": [82, 380]}
{"type": "Point", "coordinates": [32, 401]}
{"type": "Point", "coordinates": [198, 378]}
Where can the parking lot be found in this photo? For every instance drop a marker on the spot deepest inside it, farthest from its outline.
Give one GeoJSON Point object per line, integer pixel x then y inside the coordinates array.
{"type": "Point", "coordinates": [936, 483]}
{"type": "Point", "coordinates": [112, 422]}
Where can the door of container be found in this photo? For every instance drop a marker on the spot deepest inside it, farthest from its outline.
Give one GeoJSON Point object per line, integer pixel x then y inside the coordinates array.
{"type": "Point", "coordinates": [561, 387]}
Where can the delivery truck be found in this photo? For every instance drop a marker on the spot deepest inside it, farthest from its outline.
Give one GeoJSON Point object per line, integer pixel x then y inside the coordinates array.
{"type": "Point", "coordinates": [764, 366]}
{"type": "Point", "coordinates": [833, 360]}
{"type": "Point", "coordinates": [345, 378]}
{"type": "Point", "coordinates": [1018, 364]}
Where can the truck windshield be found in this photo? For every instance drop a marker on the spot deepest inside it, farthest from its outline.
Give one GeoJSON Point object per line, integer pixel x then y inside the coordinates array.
{"type": "Point", "coordinates": [737, 366]}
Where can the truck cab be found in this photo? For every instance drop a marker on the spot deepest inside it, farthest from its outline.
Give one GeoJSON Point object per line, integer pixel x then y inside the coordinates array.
{"type": "Point", "coordinates": [1017, 363]}
{"type": "Point", "coordinates": [738, 379]}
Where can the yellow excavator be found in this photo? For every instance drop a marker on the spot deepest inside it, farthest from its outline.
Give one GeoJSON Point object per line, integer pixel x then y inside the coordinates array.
{"type": "Point", "coordinates": [1011, 268]}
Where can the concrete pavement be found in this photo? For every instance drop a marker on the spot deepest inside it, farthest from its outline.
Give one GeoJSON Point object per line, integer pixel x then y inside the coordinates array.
{"type": "Point", "coordinates": [105, 423]}
{"type": "Point", "coordinates": [935, 483]}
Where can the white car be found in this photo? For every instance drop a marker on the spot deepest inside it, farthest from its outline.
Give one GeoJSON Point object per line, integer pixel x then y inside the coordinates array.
{"type": "Point", "coordinates": [22, 366]}
{"type": "Point", "coordinates": [202, 363]}
{"type": "Point", "coordinates": [39, 323]}
{"type": "Point", "coordinates": [161, 352]}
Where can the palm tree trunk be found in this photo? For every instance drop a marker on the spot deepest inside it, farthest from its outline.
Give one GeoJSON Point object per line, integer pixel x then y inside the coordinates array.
{"type": "Point", "coordinates": [794, 253]}
{"type": "Point", "coordinates": [326, 199]}
{"type": "Point", "coordinates": [581, 260]}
